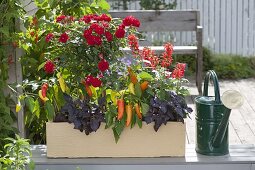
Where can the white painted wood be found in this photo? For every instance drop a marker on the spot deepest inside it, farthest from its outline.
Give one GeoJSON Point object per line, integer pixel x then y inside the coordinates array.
{"type": "Point", "coordinates": [234, 27]}
{"type": "Point", "coordinates": [177, 49]}
{"type": "Point", "coordinates": [162, 20]}
{"type": "Point", "coordinates": [228, 26]}
{"type": "Point", "coordinates": [251, 27]}
{"type": "Point", "coordinates": [245, 28]}
{"type": "Point", "coordinates": [211, 24]}
{"type": "Point", "coordinates": [239, 27]}
{"type": "Point", "coordinates": [222, 26]}
{"type": "Point", "coordinates": [217, 26]}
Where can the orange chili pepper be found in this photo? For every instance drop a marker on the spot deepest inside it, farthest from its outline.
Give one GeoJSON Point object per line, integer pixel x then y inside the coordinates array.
{"type": "Point", "coordinates": [144, 85]}
{"type": "Point", "coordinates": [129, 114]}
{"type": "Point", "coordinates": [121, 105]}
{"type": "Point", "coordinates": [132, 75]}
{"type": "Point", "coordinates": [88, 90]}
{"type": "Point", "coordinates": [138, 111]}
{"type": "Point", "coordinates": [44, 89]}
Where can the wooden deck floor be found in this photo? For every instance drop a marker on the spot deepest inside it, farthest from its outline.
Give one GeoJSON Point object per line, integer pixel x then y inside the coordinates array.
{"type": "Point", "coordinates": [242, 120]}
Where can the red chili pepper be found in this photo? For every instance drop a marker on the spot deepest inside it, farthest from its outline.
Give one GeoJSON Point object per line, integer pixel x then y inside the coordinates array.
{"type": "Point", "coordinates": [144, 85]}
{"type": "Point", "coordinates": [88, 90]}
{"type": "Point", "coordinates": [44, 89]}
{"type": "Point", "coordinates": [121, 105]}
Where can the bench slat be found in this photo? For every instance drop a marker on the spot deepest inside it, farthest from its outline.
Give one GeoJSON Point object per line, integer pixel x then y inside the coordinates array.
{"type": "Point", "coordinates": [165, 20]}
{"type": "Point", "coordinates": [177, 49]}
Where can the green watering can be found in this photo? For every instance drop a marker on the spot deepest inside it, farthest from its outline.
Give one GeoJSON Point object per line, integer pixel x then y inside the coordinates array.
{"type": "Point", "coordinates": [212, 119]}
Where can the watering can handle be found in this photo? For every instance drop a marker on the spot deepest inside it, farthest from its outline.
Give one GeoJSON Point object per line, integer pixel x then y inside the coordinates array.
{"type": "Point", "coordinates": [212, 75]}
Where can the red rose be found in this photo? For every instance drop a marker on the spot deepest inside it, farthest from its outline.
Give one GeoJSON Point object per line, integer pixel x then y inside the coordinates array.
{"type": "Point", "coordinates": [108, 36]}
{"type": "Point", "coordinates": [86, 18]}
{"type": "Point", "coordinates": [87, 33]}
{"type": "Point", "coordinates": [103, 65]}
{"type": "Point", "coordinates": [97, 28]}
{"type": "Point", "coordinates": [105, 24]}
{"type": "Point", "coordinates": [63, 38]}
{"type": "Point", "coordinates": [49, 37]}
{"type": "Point", "coordinates": [96, 82]}
{"type": "Point", "coordinates": [128, 20]}
{"type": "Point", "coordinates": [90, 40]}
{"type": "Point", "coordinates": [49, 67]}
{"type": "Point", "coordinates": [105, 17]}
{"type": "Point", "coordinates": [136, 22]}
{"type": "Point", "coordinates": [89, 79]}
{"type": "Point", "coordinates": [97, 40]}
{"type": "Point", "coordinates": [60, 18]}
{"type": "Point", "coordinates": [120, 33]}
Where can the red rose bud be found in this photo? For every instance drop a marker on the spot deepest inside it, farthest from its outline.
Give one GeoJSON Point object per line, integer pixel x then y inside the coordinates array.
{"type": "Point", "coordinates": [103, 65]}
{"type": "Point", "coordinates": [86, 18]}
{"type": "Point", "coordinates": [120, 33]}
{"type": "Point", "coordinates": [49, 37]}
{"type": "Point", "coordinates": [97, 40]}
{"type": "Point", "coordinates": [49, 67]}
{"type": "Point", "coordinates": [63, 38]}
{"type": "Point", "coordinates": [95, 82]}
{"type": "Point", "coordinates": [108, 36]}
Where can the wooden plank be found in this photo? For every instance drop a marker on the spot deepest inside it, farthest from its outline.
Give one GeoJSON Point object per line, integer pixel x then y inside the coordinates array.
{"type": "Point", "coordinates": [205, 6]}
{"type": "Point", "coordinates": [245, 28]}
{"type": "Point", "coordinates": [217, 26]}
{"type": "Point", "coordinates": [251, 27]}
{"type": "Point", "coordinates": [177, 49]}
{"type": "Point", "coordinates": [228, 26]}
{"type": "Point", "coordinates": [162, 20]}
{"type": "Point", "coordinates": [233, 137]}
{"type": "Point", "coordinates": [211, 24]}
{"type": "Point", "coordinates": [239, 27]}
{"type": "Point", "coordinates": [234, 26]}
{"type": "Point", "coordinates": [222, 26]}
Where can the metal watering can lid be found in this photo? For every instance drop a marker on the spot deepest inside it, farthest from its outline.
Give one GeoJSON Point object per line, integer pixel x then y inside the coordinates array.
{"type": "Point", "coordinates": [232, 99]}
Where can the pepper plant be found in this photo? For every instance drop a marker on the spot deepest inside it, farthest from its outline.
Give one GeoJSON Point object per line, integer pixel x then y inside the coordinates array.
{"type": "Point", "coordinates": [80, 75]}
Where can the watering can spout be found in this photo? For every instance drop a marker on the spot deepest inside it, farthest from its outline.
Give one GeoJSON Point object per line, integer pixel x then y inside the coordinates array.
{"type": "Point", "coordinates": [219, 136]}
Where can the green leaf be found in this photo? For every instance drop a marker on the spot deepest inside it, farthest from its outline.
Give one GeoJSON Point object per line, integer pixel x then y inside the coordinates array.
{"type": "Point", "coordinates": [30, 103]}
{"type": "Point", "coordinates": [145, 108]}
{"type": "Point", "coordinates": [41, 66]}
{"type": "Point", "coordinates": [36, 110]}
{"type": "Point", "coordinates": [116, 135]}
{"type": "Point", "coordinates": [49, 108]}
{"type": "Point", "coordinates": [104, 5]}
{"type": "Point", "coordinates": [133, 121]}
{"type": "Point", "coordinates": [138, 91]}
{"type": "Point", "coordinates": [5, 30]}
{"type": "Point", "coordinates": [59, 96]}
{"type": "Point", "coordinates": [145, 76]}
{"type": "Point", "coordinates": [139, 122]}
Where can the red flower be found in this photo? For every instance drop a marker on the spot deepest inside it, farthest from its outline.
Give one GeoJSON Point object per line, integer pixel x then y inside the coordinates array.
{"type": "Point", "coordinates": [108, 36]}
{"type": "Point", "coordinates": [120, 33]}
{"type": "Point", "coordinates": [105, 17]}
{"type": "Point", "coordinates": [49, 37]}
{"type": "Point", "coordinates": [127, 21]}
{"type": "Point", "coordinates": [96, 82]}
{"type": "Point", "coordinates": [94, 40]}
{"type": "Point", "coordinates": [136, 22]}
{"type": "Point", "coordinates": [60, 18]}
{"type": "Point", "coordinates": [131, 21]}
{"type": "Point", "coordinates": [86, 18]}
{"type": "Point", "coordinates": [89, 79]}
{"type": "Point", "coordinates": [103, 65]}
{"type": "Point", "coordinates": [49, 67]}
{"type": "Point", "coordinates": [87, 33]}
{"type": "Point", "coordinates": [97, 28]}
{"type": "Point", "coordinates": [167, 55]}
{"type": "Point", "coordinates": [133, 43]}
{"type": "Point", "coordinates": [179, 70]}
{"type": "Point", "coordinates": [105, 24]}
{"type": "Point", "coordinates": [63, 38]}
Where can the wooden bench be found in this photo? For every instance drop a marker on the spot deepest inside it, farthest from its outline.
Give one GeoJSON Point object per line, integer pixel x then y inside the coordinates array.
{"type": "Point", "coordinates": [241, 157]}
{"type": "Point", "coordinates": [171, 20]}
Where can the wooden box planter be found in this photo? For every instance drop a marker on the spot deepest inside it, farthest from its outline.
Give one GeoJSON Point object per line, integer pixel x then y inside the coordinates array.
{"type": "Point", "coordinates": [64, 141]}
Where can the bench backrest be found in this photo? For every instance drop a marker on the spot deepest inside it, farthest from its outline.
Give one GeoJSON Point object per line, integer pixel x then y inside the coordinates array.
{"type": "Point", "coordinates": [164, 20]}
